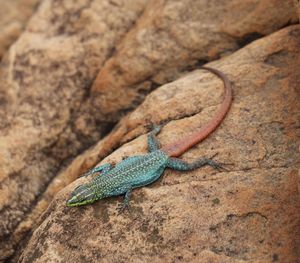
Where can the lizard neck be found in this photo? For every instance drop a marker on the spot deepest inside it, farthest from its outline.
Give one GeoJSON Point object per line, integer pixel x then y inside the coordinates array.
{"type": "Point", "coordinates": [178, 148]}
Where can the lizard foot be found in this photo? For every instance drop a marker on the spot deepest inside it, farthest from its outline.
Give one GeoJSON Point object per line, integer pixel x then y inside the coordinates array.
{"type": "Point", "coordinates": [222, 168]}
{"type": "Point", "coordinates": [217, 165]}
{"type": "Point", "coordinates": [155, 128]}
{"type": "Point", "coordinates": [121, 207]}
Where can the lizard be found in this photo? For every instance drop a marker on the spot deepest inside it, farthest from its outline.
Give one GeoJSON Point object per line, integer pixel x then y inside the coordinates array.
{"type": "Point", "coordinates": [141, 170]}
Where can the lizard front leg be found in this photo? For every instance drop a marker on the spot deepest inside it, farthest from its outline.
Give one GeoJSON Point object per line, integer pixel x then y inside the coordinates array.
{"type": "Point", "coordinates": [125, 204]}
{"type": "Point", "coordinates": [153, 143]}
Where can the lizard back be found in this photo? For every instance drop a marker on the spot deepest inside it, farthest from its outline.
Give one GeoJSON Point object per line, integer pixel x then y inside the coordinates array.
{"type": "Point", "coordinates": [135, 171]}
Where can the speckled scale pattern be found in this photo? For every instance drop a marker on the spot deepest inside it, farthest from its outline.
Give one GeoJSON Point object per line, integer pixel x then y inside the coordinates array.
{"type": "Point", "coordinates": [135, 172]}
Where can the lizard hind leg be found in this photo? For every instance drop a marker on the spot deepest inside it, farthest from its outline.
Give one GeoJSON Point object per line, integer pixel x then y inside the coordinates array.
{"type": "Point", "coordinates": [125, 203]}
{"type": "Point", "coordinates": [153, 143]}
{"type": "Point", "coordinates": [178, 164]}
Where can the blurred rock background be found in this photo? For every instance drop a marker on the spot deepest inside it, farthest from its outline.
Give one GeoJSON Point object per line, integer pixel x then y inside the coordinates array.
{"type": "Point", "coordinates": [14, 15]}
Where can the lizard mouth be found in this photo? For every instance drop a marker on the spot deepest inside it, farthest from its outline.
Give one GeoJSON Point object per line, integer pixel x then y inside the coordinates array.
{"type": "Point", "coordinates": [73, 201]}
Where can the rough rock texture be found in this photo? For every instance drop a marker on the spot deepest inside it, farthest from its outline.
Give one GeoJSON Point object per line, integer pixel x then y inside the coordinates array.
{"type": "Point", "coordinates": [45, 77]}
{"type": "Point", "coordinates": [171, 35]}
{"type": "Point", "coordinates": [49, 112]}
{"type": "Point", "coordinates": [249, 214]}
{"type": "Point", "coordinates": [297, 5]}
{"type": "Point", "coordinates": [13, 17]}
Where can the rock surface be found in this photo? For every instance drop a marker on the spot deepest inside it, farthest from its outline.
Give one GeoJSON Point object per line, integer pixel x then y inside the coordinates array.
{"type": "Point", "coordinates": [249, 214]}
{"type": "Point", "coordinates": [297, 5]}
{"type": "Point", "coordinates": [13, 17]}
{"type": "Point", "coordinates": [45, 76]}
{"type": "Point", "coordinates": [116, 91]}
{"type": "Point", "coordinates": [173, 35]}
{"type": "Point", "coordinates": [49, 112]}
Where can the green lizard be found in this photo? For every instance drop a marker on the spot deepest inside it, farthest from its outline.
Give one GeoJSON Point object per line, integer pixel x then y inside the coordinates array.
{"type": "Point", "coordinates": [141, 170]}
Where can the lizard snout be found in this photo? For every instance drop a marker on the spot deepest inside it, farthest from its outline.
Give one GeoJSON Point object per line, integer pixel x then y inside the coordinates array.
{"type": "Point", "coordinates": [81, 196]}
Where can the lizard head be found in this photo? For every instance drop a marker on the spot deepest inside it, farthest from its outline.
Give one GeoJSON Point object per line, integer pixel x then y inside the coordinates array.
{"type": "Point", "coordinates": [82, 195]}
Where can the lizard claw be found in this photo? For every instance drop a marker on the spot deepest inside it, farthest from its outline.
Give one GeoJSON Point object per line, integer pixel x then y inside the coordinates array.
{"type": "Point", "coordinates": [154, 128]}
{"type": "Point", "coordinates": [225, 164]}
{"type": "Point", "coordinates": [218, 165]}
{"type": "Point", "coordinates": [213, 156]}
{"type": "Point", "coordinates": [121, 207]}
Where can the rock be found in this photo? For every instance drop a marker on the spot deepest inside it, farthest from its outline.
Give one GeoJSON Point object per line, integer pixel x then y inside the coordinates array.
{"type": "Point", "coordinates": [13, 18]}
{"type": "Point", "coordinates": [297, 6]}
{"type": "Point", "coordinates": [107, 104]}
{"type": "Point", "coordinates": [45, 76]}
{"type": "Point", "coordinates": [174, 35]}
{"type": "Point", "coordinates": [48, 110]}
{"type": "Point", "coordinates": [249, 214]}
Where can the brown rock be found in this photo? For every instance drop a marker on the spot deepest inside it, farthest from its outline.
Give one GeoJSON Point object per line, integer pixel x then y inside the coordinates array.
{"type": "Point", "coordinates": [250, 214]}
{"type": "Point", "coordinates": [48, 114]}
{"type": "Point", "coordinates": [114, 98]}
{"type": "Point", "coordinates": [13, 18]}
{"type": "Point", "coordinates": [45, 77]}
{"type": "Point", "coordinates": [297, 6]}
{"type": "Point", "coordinates": [172, 35]}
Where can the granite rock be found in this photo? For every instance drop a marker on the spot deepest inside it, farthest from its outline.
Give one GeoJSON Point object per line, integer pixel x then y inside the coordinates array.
{"type": "Point", "coordinates": [249, 214]}
{"type": "Point", "coordinates": [175, 36]}
{"type": "Point", "coordinates": [14, 15]}
{"type": "Point", "coordinates": [45, 76]}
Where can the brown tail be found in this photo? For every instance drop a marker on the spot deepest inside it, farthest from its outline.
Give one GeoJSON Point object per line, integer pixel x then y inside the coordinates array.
{"type": "Point", "coordinates": [178, 148]}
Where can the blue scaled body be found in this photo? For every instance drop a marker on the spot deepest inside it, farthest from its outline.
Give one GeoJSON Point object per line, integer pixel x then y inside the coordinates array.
{"type": "Point", "coordinates": [133, 172]}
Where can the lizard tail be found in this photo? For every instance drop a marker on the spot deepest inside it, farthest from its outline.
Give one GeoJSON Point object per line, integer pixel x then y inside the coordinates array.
{"type": "Point", "coordinates": [178, 148]}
